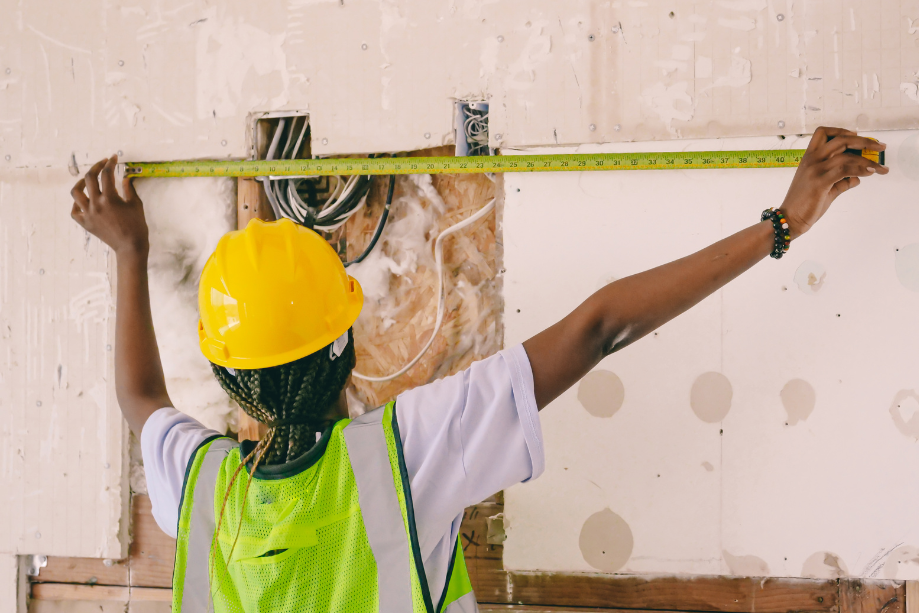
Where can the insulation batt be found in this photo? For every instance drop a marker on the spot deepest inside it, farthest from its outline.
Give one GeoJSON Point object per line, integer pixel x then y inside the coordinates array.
{"type": "Point", "coordinates": [186, 217]}
{"type": "Point", "coordinates": [399, 280]}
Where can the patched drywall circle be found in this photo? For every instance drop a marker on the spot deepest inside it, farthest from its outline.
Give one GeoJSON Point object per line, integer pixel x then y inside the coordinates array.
{"type": "Point", "coordinates": [799, 399]}
{"type": "Point", "coordinates": [601, 393]}
{"type": "Point", "coordinates": [606, 541]}
{"type": "Point", "coordinates": [710, 397]}
{"type": "Point", "coordinates": [903, 563]}
{"type": "Point", "coordinates": [908, 157]}
{"type": "Point", "coordinates": [824, 565]}
{"type": "Point", "coordinates": [904, 410]}
{"type": "Point", "coordinates": [809, 277]}
{"type": "Point", "coordinates": [745, 566]}
{"type": "Point", "coordinates": [907, 266]}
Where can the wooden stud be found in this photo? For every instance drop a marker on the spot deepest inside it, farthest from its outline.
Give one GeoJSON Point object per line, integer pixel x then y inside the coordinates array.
{"type": "Point", "coordinates": [251, 203]}
{"type": "Point", "coordinates": [874, 596]}
{"type": "Point", "coordinates": [91, 571]}
{"type": "Point", "coordinates": [99, 593]}
{"type": "Point", "coordinates": [912, 597]}
{"type": "Point", "coordinates": [152, 553]}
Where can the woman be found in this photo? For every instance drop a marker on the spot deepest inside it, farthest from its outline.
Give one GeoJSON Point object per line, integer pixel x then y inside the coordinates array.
{"type": "Point", "coordinates": [327, 513]}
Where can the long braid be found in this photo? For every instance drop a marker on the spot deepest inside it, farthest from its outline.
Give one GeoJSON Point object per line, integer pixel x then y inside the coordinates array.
{"type": "Point", "coordinates": [297, 394]}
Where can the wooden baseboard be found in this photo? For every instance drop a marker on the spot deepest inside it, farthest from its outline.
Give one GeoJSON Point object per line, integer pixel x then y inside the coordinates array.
{"type": "Point", "coordinates": [147, 575]}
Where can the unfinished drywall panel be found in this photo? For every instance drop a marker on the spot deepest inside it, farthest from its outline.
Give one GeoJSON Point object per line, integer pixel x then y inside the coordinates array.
{"type": "Point", "coordinates": [724, 442]}
{"type": "Point", "coordinates": [61, 431]}
{"type": "Point", "coordinates": [175, 79]}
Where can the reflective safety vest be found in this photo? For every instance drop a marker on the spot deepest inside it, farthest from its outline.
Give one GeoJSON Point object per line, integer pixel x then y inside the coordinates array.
{"type": "Point", "coordinates": [332, 531]}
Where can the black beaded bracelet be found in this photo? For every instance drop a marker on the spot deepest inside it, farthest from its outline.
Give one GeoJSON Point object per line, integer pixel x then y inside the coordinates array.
{"type": "Point", "coordinates": [782, 235]}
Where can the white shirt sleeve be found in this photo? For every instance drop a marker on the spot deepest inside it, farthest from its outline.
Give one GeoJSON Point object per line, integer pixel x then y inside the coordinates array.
{"type": "Point", "coordinates": [464, 438]}
{"type": "Point", "coordinates": [167, 442]}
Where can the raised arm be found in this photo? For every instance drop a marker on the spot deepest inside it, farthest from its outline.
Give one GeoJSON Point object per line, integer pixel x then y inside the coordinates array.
{"type": "Point", "coordinates": [624, 311]}
{"type": "Point", "coordinates": [119, 223]}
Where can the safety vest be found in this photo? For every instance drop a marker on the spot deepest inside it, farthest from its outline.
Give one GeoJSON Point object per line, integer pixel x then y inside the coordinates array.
{"type": "Point", "coordinates": [332, 531]}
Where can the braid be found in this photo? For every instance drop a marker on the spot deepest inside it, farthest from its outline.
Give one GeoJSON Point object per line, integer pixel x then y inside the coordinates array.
{"type": "Point", "coordinates": [297, 394]}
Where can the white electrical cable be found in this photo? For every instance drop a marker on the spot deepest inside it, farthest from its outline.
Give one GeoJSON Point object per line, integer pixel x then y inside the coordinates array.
{"type": "Point", "coordinates": [441, 299]}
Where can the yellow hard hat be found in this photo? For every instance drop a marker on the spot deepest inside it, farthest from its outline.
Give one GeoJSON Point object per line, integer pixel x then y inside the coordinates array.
{"type": "Point", "coordinates": [271, 294]}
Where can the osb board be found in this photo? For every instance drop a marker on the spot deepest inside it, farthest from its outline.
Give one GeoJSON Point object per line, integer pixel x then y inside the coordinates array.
{"type": "Point", "coordinates": [62, 436]}
{"type": "Point", "coordinates": [471, 328]}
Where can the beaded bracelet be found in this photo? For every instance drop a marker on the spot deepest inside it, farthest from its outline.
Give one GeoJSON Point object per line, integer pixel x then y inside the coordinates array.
{"type": "Point", "coordinates": [782, 235]}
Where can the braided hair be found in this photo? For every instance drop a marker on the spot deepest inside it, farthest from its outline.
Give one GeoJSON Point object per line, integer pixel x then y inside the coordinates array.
{"type": "Point", "coordinates": [291, 399]}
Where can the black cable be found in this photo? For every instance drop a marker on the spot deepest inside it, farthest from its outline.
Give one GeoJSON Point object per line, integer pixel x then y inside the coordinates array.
{"type": "Point", "coordinates": [380, 225]}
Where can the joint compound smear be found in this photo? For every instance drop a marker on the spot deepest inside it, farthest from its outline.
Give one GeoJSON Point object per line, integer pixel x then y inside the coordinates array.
{"type": "Point", "coordinates": [799, 399]}
{"type": "Point", "coordinates": [810, 276]}
{"type": "Point", "coordinates": [606, 541]}
{"type": "Point", "coordinates": [601, 393]}
{"type": "Point", "coordinates": [824, 565]}
{"type": "Point", "coordinates": [745, 566]}
{"type": "Point", "coordinates": [710, 397]}
{"type": "Point", "coordinates": [906, 264]}
{"type": "Point", "coordinates": [903, 563]}
{"type": "Point", "coordinates": [905, 412]}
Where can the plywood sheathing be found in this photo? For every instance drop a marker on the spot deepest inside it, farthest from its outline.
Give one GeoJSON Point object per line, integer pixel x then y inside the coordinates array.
{"type": "Point", "coordinates": [472, 325]}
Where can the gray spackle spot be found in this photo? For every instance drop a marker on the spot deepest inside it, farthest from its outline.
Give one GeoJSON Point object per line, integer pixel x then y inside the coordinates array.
{"type": "Point", "coordinates": [708, 466]}
{"type": "Point", "coordinates": [903, 562]}
{"type": "Point", "coordinates": [810, 277]}
{"type": "Point", "coordinates": [710, 397]}
{"type": "Point", "coordinates": [908, 157]}
{"type": "Point", "coordinates": [601, 392]}
{"type": "Point", "coordinates": [606, 541]}
{"type": "Point", "coordinates": [824, 565]}
{"type": "Point", "coordinates": [906, 263]}
{"type": "Point", "coordinates": [745, 566]}
{"type": "Point", "coordinates": [798, 398]}
{"type": "Point", "coordinates": [904, 410]}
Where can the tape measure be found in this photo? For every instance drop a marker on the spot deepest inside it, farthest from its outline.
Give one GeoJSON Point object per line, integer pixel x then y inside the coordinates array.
{"type": "Point", "coordinates": [684, 160]}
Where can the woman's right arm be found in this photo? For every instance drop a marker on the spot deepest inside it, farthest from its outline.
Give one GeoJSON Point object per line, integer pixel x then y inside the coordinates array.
{"type": "Point", "coordinates": [119, 222]}
{"type": "Point", "coordinates": [626, 310]}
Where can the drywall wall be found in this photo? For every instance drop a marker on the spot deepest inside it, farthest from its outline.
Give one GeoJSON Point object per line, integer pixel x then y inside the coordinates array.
{"type": "Point", "coordinates": [772, 429]}
{"type": "Point", "coordinates": [61, 433]}
{"type": "Point", "coordinates": [173, 79]}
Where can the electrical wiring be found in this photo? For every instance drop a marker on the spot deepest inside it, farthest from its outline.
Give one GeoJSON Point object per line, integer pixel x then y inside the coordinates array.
{"type": "Point", "coordinates": [380, 225]}
{"type": "Point", "coordinates": [441, 298]}
{"type": "Point", "coordinates": [475, 129]}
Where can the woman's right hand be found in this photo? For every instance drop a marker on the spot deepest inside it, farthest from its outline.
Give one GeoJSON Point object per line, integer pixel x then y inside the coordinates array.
{"type": "Point", "coordinates": [825, 172]}
{"type": "Point", "coordinates": [116, 221]}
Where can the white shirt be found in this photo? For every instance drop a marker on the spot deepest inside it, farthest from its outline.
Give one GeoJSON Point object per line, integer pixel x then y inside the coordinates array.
{"type": "Point", "coordinates": [464, 438]}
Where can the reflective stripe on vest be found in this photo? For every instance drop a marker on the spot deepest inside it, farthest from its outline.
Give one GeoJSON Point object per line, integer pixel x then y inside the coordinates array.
{"type": "Point", "coordinates": [366, 442]}
{"type": "Point", "coordinates": [196, 595]}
